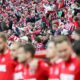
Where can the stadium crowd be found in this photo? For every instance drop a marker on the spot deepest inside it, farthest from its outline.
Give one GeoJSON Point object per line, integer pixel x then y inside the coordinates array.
{"type": "Point", "coordinates": [31, 27]}
{"type": "Point", "coordinates": [36, 21]}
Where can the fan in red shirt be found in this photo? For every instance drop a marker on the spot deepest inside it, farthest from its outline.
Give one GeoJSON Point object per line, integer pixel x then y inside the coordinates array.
{"type": "Point", "coordinates": [76, 22]}
{"type": "Point", "coordinates": [70, 67]}
{"type": "Point", "coordinates": [39, 44]}
{"type": "Point", "coordinates": [52, 55]}
{"type": "Point", "coordinates": [30, 68]}
{"type": "Point", "coordinates": [7, 64]}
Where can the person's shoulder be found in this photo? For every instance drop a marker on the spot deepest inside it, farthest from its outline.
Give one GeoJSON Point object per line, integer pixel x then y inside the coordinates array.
{"type": "Point", "coordinates": [77, 61]}
{"type": "Point", "coordinates": [42, 63]}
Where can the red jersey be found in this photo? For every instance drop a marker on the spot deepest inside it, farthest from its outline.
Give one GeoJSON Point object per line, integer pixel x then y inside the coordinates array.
{"type": "Point", "coordinates": [24, 73]}
{"type": "Point", "coordinates": [7, 66]}
{"type": "Point", "coordinates": [21, 72]}
{"type": "Point", "coordinates": [70, 70]}
{"type": "Point", "coordinates": [76, 24]}
{"type": "Point", "coordinates": [54, 71]}
{"type": "Point", "coordinates": [42, 72]}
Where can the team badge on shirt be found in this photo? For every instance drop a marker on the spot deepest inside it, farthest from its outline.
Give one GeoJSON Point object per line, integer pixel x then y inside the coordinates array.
{"type": "Point", "coordinates": [72, 67]}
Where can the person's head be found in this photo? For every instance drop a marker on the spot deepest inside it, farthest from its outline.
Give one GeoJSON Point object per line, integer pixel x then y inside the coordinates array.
{"type": "Point", "coordinates": [38, 40]}
{"type": "Point", "coordinates": [14, 47]}
{"type": "Point", "coordinates": [75, 18]}
{"type": "Point", "coordinates": [54, 27]}
{"type": "Point", "coordinates": [76, 48]}
{"type": "Point", "coordinates": [26, 52]}
{"type": "Point", "coordinates": [3, 42]}
{"type": "Point", "coordinates": [76, 34]}
{"type": "Point", "coordinates": [63, 46]}
{"type": "Point", "coordinates": [51, 50]}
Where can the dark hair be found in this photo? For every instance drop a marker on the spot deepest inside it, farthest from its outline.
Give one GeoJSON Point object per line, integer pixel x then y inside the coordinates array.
{"type": "Point", "coordinates": [29, 48]}
{"type": "Point", "coordinates": [38, 39]}
{"type": "Point", "coordinates": [76, 47]}
{"type": "Point", "coordinates": [76, 18]}
{"type": "Point", "coordinates": [2, 36]}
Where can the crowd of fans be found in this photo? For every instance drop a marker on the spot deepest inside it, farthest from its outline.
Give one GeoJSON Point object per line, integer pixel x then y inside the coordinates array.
{"type": "Point", "coordinates": [36, 21]}
{"type": "Point", "coordinates": [28, 27]}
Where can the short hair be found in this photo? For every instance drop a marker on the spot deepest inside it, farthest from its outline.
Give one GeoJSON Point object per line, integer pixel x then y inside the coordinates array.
{"type": "Point", "coordinates": [76, 18]}
{"type": "Point", "coordinates": [2, 36]}
{"type": "Point", "coordinates": [38, 39]}
{"type": "Point", "coordinates": [61, 38]}
{"type": "Point", "coordinates": [76, 47]}
{"type": "Point", "coordinates": [29, 48]}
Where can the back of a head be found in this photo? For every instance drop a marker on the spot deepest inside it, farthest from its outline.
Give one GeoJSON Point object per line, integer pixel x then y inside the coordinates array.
{"type": "Point", "coordinates": [76, 47]}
